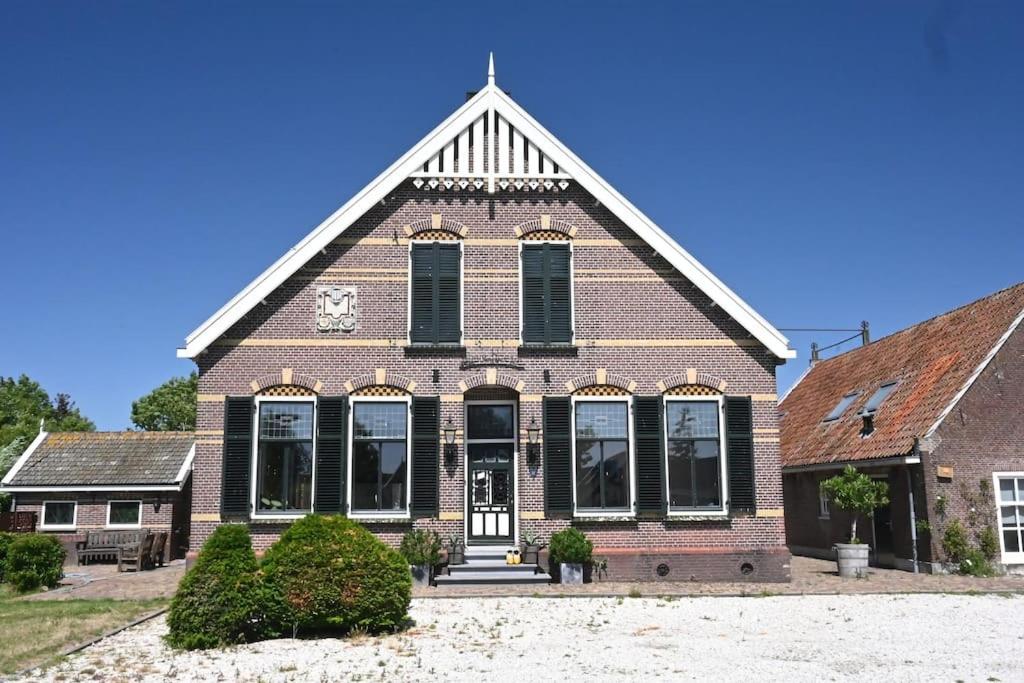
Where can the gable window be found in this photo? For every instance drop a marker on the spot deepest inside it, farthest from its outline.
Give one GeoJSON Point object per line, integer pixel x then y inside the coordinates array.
{"type": "Point", "coordinates": [284, 459]}
{"type": "Point", "coordinates": [59, 514]}
{"type": "Point", "coordinates": [694, 451]}
{"type": "Point", "coordinates": [1010, 502]}
{"type": "Point", "coordinates": [546, 305]}
{"type": "Point", "coordinates": [124, 514]}
{"type": "Point", "coordinates": [876, 399]}
{"type": "Point", "coordinates": [841, 407]}
{"type": "Point", "coordinates": [602, 456]}
{"type": "Point", "coordinates": [435, 293]}
{"type": "Point", "coordinates": [380, 457]}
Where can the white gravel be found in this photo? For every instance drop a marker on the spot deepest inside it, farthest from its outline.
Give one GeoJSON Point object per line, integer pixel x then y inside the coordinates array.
{"type": "Point", "coordinates": [867, 637]}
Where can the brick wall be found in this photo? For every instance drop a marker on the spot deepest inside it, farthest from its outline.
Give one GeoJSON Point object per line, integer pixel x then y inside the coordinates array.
{"type": "Point", "coordinates": [635, 317]}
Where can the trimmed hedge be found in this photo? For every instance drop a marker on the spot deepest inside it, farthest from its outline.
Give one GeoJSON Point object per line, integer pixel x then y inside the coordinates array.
{"type": "Point", "coordinates": [6, 539]}
{"type": "Point", "coordinates": [335, 575]}
{"type": "Point", "coordinates": [33, 561]}
{"type": "Point", "coordinates": [222, 600]}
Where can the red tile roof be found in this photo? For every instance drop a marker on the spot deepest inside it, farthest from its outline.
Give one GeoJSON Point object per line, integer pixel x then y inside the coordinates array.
{"type": "Point", "coordinates": [931, 361]}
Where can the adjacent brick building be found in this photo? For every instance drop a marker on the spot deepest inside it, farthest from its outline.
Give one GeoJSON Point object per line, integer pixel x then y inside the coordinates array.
{"type": "Point", "coordinates": [489, 341]}
{"type": "Point", "coordinates": [934, 410]}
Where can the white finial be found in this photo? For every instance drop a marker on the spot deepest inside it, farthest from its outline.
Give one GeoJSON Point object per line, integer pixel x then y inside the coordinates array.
{"type": "Point", "coordinates": [490, 70]}
{"type": "Point", "coordinates": [41, 422]}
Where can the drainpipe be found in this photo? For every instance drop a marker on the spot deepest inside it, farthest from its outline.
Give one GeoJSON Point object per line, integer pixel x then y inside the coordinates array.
{"type": "Point", "coordinates": [913, 512]}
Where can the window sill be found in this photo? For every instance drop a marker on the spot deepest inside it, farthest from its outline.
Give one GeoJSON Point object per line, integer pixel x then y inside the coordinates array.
{"type": "Point", "coordinates": [604, 517]}
{"type": "Point", "coordinates": [57, 528]}
{"type": "Point", "coordinates": [381, 519]}
{"type": "Point", "coordinates": [440, 346]}
{"type": "Point", "coordinates": [708, 517]}
{"type": "Point", "coordinates": [547, 345]}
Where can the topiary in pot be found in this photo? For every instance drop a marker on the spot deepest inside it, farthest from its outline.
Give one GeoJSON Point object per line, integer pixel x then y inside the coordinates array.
{"type": "Point", "coordinates": [422, 550]}
{"type": "Point", "coordinates": [570, 550]}
{"type": "Point", "coordinates": [857, 494]}
{"type": "Point", "coordinates": [222, 600]}
{"type": "Point", "coordinates": [532, 546]}
{"type": "Point", "coordinates": [33, 561]}
{"type": "Point", "coordinates": [334, 575]}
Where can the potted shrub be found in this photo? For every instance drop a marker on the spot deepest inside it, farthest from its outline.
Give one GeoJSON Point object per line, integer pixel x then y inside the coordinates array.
{"type": "Point", "coordinates": [858, 494]}
{"type": "Point", "coordinates": [531, 549]}
{"type": "Point", "coordinates": [422, 550]}
{"type": "Point", "coordinates": [570, 550]}
{"type": "Point", "coordinates": [456, 550]}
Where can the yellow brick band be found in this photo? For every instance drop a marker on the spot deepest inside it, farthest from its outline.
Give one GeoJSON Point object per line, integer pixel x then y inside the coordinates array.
{"type": "Point", "coordinates": [531, 514]}
{"type": "Point", "coordinates": [210, 398]}
{"type": "Point", "coordinates": [450, 516]}
{"type": "Point", "coordinates": [205, 517]}
{"type": "Point", "coordinates": [769, 512]}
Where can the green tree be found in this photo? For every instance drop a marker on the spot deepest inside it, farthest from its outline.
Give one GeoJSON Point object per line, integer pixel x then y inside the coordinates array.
{"type": "Point", "coordinates": [856, 493]}
{"type": "Point", "coordinates": [169, 407]}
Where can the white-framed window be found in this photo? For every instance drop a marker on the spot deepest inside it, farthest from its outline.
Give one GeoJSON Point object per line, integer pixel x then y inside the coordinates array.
{"type": "Point", "coordinates": [695, 456]}
{"type": "Point", "coordinates": [824, 505]}
{"type": "Point", "coordinates": [379, 463]}
{"type": "Point", "coordinates": [603, 458]}
{"type": "Point", "coordinates": [59, 515]}
{"type": "Point", "coordinates": [124, 514]}
{"type": "Point", "coordinates": [1009, 492]}
{"type": "Point", "coordinates": [283, 467]}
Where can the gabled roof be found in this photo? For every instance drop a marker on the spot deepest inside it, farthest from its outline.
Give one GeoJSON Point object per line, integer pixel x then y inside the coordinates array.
{"type": "Point", "coordinates": [436, 162]}
{"type": "Point", "coordinates": [111, 461]}
{"type": "Point", "coordinates": [934, 362]}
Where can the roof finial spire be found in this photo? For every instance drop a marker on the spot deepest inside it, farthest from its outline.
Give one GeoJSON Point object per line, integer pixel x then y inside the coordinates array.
{"type": "Point", "coordinates": [490, 70]}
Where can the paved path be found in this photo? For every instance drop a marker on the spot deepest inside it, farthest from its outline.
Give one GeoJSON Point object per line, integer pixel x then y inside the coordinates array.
{"type": "Point", "coordinates": [103, 581]}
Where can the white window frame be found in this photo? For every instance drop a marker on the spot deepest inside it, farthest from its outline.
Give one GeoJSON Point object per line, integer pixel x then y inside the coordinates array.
{"type": "Point", "coordinates": [630, 510]}
{"type": "Point", "coordinates": [824, 504]}
{"type": "Point", "coordinates": [137, 525]}
{"type": "Point", "coordinates": [379, 514]}
{"type": "Point", "coordinates": [466, 441]}
{"type": "Point", "coordinates": [572, 288]}
{"type": "Point", "coordinates": [58, 527]}
{"type": "Point", "coordinates": [1006, 557]}
{"type": "Point", "coordinates": [462, 292]}
{"type": "Point", "coordinates": [723, 475]}
{"type": "Point", "coordinates": [254, 466]}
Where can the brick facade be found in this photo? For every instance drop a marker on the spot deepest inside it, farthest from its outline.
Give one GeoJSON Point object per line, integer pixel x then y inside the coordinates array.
{"type": "Point", "coordinates": [637, 321]}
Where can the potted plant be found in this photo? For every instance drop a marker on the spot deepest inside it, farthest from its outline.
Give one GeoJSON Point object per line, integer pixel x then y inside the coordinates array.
{"type": "Point", "coordinates": [570, 550]}
{"type": "Point", "coordinates": [422, 550]}
{"type": "Point", "coordinates": [456, 550]}
{"type": "Point", "coordinates": [531, 548]}
{"type": "Point", "coordinates": [857, 494]}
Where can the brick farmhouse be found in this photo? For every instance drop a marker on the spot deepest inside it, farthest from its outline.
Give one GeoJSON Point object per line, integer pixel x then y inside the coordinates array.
{"type": "Point", "coordinates": [490, 341]}
{"type": "Point", "coordinates": [935, 411]}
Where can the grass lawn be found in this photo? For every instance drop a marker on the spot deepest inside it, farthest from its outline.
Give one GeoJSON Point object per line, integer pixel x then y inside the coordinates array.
{"type": "Point", "coordinates": [36, 631]}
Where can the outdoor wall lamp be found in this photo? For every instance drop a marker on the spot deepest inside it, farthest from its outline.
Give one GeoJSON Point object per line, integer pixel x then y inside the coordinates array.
{"type": "Point", "coordinates": [451, 451]}
{"type": "Point", "coordinates": [533, 447]}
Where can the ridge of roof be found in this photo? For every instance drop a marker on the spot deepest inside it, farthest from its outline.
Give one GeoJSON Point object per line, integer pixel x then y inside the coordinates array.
{"type": "Point", "coordinates": [488, 99]}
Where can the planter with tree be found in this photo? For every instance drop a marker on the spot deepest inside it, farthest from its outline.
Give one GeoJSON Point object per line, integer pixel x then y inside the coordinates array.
{"type": "Point", "coordinates": [570, 551]}
{"type": "Point", "coordinates": [422, 550]}
{"type": "Point", "coordinates": [857, 494]}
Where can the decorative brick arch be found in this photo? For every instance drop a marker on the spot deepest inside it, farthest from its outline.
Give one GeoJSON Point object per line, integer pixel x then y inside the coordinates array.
{"type": "Point", "coordinates": [278, 383]}
{"type": "Point", "coordinates": [600, 382]}
{"type": "Point", "coordinates": [692, 383]}
{"type": "Point", "coordinates": [437, 227]}
{"type": "Point", "coordinates": [378, 380]}
{"type": "Point", "coordinates": [492, 378]}
{"type": "Point", "coordinates": [545, 228]}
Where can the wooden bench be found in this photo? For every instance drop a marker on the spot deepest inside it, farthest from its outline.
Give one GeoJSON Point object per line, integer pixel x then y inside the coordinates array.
{"type": "Point", "coordinates": [104, 544]}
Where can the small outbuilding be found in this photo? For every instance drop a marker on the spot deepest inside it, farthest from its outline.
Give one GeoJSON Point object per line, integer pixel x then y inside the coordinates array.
{"type": "Point", "coordinates": [78, 482]}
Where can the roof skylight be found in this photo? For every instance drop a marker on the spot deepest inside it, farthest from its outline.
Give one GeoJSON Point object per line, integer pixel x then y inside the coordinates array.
{"type": "Point", "coordinates": [841, 407]}
{"type": "Point", "coordinates": [876, 398]}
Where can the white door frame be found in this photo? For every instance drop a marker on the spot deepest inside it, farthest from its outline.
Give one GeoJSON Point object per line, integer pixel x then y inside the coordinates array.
{"type": "Point", "coordinates": [515, 463]}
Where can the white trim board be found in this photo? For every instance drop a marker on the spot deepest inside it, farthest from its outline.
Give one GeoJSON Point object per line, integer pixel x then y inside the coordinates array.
{"type": "Point", "coordinates": [23, 458]}
{"type": "Point", "coordinates": [488, 101]}
{"type": "Point", "coordinates": [86, 488]}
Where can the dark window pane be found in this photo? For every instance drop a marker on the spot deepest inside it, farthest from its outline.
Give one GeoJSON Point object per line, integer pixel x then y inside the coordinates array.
{"type": "Point", "coordinates": [680, 474]}
{"type": "Point", "coordinates": [124, 512]}
{"type": "Point", "coordinates": [286, 420]}
{"type": "Point", "coordinates": [616, 474]}
{"type": "Point", "coordinates": [285, 476]}
{"type": "Point", "coordinates": [692, 419]}
{"type": "Point", "coordinates": [588, 474]}
{"type": "Point", "coordinates": [707, 471]}
{"type": "Point", "coordinates": [601, 420]}
{"type": "Point", "coordinates": [379, 420]}
{"type": "Point", "coordinates": [392, 468]}
{"type": "Point", "coordinates": [499, 487]}
{"type": "Point", "coordinates": [59, 514]}
{"type": "Point", "coordinates": [1011, 541]}
{"type": "Point", "coordinates": [489, 422]}
{"type": "Point", "coordinates": [365, 473]}
{"type": "Point", "coordinates": [1006, 493]}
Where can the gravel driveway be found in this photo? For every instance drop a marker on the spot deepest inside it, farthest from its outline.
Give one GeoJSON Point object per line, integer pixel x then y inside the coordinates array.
{"type": "Point", "coordinates": [868, 637]}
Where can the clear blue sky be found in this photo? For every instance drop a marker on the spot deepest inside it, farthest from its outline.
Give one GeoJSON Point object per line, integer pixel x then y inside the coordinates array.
{"type": "Point", "coordinates": [831, 162]}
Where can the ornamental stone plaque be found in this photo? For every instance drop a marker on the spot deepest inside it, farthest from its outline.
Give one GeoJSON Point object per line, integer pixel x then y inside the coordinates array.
{"type": "Point", "coordinates": [335, 309]}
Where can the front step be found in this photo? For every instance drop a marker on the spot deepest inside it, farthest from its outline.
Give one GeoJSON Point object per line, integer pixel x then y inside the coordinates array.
{"type": "Point", "coordinates": [485, 564]}
{"type": "Point", "coordinates": [491, 566]}
{"type": "Point", "coordinates": [471, 578]}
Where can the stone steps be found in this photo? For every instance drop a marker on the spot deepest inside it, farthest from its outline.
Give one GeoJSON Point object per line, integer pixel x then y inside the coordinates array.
{"type": "Point", "coordinates": [486, 565]}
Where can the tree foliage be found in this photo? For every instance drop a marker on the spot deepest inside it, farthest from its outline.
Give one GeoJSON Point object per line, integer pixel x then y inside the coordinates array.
{"type": "Point", "coordinates": [856, 493]}
{"type": "Point", "coordinates": [169, 407]}
{"type": "Point", "coordinates": [23, 403]}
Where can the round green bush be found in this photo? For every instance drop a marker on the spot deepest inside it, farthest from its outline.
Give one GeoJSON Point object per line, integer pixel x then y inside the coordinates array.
{"type": "Point", "coordinates": [222, 600]}
{"type": "Point", "coordinates": [34, 560]}
{"type": "Point", "coordinates": [570, 546]}
{"type": "Point", "coordinates": [334, 575]}
{"type": "Point", "coordinates": [6, 539]}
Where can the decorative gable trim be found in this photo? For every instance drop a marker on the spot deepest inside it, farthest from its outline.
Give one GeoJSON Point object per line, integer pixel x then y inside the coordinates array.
{"type": "Point", "coordinates": [280, 381]}
{"type": "Point", "coordinates": [379, 378]}
{"type": "Point", "coordinates": [601, 383]}
{"type": "Point", "coordinates": [545, 225]}
{"type": "Point", "coordinates": [436, 227]}
{"type": "Point", "coordinates": [691, 378]}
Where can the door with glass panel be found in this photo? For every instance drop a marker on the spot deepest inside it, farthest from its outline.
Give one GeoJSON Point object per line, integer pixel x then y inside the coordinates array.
{"type": "Point", "coordinates": [490, 466]}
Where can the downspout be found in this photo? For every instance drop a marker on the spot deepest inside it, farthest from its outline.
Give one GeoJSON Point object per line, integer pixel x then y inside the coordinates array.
{"type": "Point", "coordinates": [913, 512]}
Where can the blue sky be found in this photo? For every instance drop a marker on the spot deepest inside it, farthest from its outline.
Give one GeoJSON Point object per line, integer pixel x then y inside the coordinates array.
{"type": "Point", "coordinates": [831, 162]}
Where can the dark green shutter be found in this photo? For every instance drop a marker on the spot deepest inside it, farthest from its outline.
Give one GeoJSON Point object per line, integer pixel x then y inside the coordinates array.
{"type": "Point", "coordinates": [739, 445]}
{"type": "Point", "coordinates": [558, 494]}
{"type": "Point", "coordinates": [331, 449]}
{"type": "Point", "coordinates": [236, 465]}
{"type": "Point", "coordinates": [436, 316]}
{"type": "Point", "coordinates": [426, 442]}
{"type": "Point", "coordinates": [648, 422]}
{"type": "Point", "coordinates": [547, 294]}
